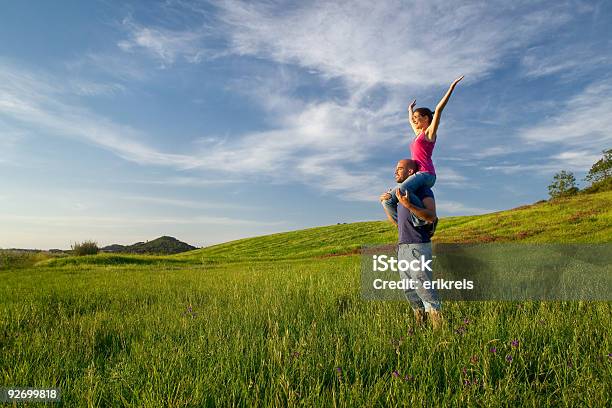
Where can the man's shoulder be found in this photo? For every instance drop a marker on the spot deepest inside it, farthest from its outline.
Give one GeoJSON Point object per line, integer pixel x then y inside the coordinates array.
{"type": "Point", "coordinates": [424, 192]}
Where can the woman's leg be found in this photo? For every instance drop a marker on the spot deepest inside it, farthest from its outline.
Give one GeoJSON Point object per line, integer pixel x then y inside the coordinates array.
{"type": "Point", "coordinates": [411, 184]}
{"type": "Point", "coordinates": [390, 205]}
{"type": "Point", "coordinates": [416, 181]}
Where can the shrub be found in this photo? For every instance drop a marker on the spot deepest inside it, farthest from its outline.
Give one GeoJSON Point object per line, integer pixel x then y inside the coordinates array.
{"type": "Point", "coordinates": [563, 185]}
{"type": "Point", "coordinates": [13, 259]}
{"type": "Point", "coordinates": [85, 248]}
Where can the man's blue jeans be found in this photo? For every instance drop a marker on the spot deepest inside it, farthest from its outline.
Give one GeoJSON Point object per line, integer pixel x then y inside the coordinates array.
{"type": "Point", "coordinates": [420, 298]}
{"type": "Point", "coordinates": [411, 184]}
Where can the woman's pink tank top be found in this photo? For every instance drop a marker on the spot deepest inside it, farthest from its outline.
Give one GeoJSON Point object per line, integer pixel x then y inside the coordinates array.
{"type": "Point", "coordinates": [421, 149]}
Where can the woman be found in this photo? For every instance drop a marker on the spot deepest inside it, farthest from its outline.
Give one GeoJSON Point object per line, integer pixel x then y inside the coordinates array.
{"type": "Point", "coordinates": [425, 124]}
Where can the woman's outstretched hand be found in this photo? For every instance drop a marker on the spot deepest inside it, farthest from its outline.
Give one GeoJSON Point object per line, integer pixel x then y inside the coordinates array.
{"type": "Point", "coordinates": [412, 105]}
{"type": "Point", "coordinates": [456, 81]}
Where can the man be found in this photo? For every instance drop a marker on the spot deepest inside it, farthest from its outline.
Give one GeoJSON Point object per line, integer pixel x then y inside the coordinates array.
{"type": "Point", "coordinates": [415, 242]}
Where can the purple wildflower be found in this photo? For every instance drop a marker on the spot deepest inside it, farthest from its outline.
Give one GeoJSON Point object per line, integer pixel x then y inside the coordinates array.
{"type": "Point", "coordinates": [189, 311]}
{"type": "Point", "coordinates": [395, 374]}
{"type": "Point", "coordinates": [339, 370]}
{"type": "Point", "coordinates": [408, 377]}
{"type": "Point", "coordinates": [466, 382]}
{"type": "Point", "coordinates": [508, 358]}
{"type": "Point", "coordinates": [466, 321]}
{"type": "Point", "coordinates": [514, 343]}
{"type": "Point", "coordinates": [493, 350]}
{"type": "Point", "coordinates": [609, 356]}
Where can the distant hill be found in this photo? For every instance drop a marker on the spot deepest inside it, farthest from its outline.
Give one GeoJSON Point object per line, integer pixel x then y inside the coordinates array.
{"type": "Point", "coordinates": [163, 245]}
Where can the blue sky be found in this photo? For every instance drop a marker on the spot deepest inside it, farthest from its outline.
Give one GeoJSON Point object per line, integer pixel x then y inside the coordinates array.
{"type": "Point", "coordinates": [211, 121]}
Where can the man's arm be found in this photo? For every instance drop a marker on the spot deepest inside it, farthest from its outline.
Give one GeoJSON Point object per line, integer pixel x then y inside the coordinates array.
{"type": "Point", "coordinates": [428, 213]}
{"type": "Point", "coordinates": [384, 197]}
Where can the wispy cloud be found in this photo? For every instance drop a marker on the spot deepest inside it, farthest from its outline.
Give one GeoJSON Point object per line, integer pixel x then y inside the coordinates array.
{"type": "Point", "coordinates": [126, 222]}
{"type": "Point", "coordinates": [454, 207]}
{"type": "Point", "coordinates": [201, 181]}
{"type": "Point", "coordinates": [336, 38]}
{"type": "Point", "coordinates": [321, 143]}
{"type": "Point", "coordinates": [584, 122]}
{"type": "Point", "coordinates": [40, 102]}
{"type": "Point", "coordinates": [575, 160]}
{"type": "Point", "coordinates": [91, 88]}
{"type": "Point", "coordinates": [181, 203]}
{"type": "Point", "coordinates": [567, 63]}
{"type": "Point", "coordinates": [540, 169]}
{"type": "Point", "coordinates": [163, 44]}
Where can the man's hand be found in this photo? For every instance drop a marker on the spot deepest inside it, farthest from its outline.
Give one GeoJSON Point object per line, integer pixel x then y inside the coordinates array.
{"type": "Point", "coordinates": [385, 196]}
{"type": "Point", "coordinates": [404, 200]}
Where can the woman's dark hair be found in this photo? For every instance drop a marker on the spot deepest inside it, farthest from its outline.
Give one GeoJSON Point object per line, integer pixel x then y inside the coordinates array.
{"type": "Point", "coordinates": [425, 112]}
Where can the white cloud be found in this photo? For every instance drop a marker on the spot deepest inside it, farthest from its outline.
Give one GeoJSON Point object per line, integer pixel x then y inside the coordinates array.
{"type": "Point", "coordinates": [202, 181]}
{"type": "Point", "coordinates": [90, 88]}
{"type": "Point", "coordinates": [446, 176]}
{"type": "Point", "coordinates": [453, 207]}
{"type": "Point", "coordinates": [571, 62]}
{"type": "Point", "coordinates": [368, 46]}
{"type": "Point", "coordinates": [576, 159]}
{"type": "Point", "coordinates": [39, 101]}
{"type": "Point", "coordinates": [421, 43]}
{"type": "Point", "coordinates": [181, 203]}
{"type": "Point", "coordinates": [585, 120]}
{"type": "Point", "coordinates": [163, 44]}
{"type": "Point", "coordinates": [110, 222]}
{"type": "Point", "coordinates": [119, 66]}
{"type": "Point", "coordinates": [543, 168]}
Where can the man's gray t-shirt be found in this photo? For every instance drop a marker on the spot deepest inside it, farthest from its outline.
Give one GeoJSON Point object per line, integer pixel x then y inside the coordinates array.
{"type": "Point", "coordinates": [408, 233]}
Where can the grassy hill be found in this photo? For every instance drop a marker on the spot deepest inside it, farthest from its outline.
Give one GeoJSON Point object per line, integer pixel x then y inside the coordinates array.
{"type": "Point", "coordinates": [581, 218]}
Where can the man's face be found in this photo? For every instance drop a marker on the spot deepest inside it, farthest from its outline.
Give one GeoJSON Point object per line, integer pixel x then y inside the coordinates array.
{"type": "Point", "coordinates": [402, 172]}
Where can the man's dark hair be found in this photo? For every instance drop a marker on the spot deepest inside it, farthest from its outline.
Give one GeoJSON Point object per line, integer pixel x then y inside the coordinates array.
{"type": "Point", "coordinates": [411, 164]}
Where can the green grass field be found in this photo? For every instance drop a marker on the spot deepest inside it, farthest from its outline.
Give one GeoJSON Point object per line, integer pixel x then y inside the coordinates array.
{"type": "Point", "coordinates": [279, 320]}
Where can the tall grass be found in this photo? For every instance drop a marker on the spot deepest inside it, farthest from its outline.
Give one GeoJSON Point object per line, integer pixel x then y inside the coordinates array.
{"type": "Point", "coordinates": [280, 321]}
{"type": "Point", "coordinates": [287, 333]}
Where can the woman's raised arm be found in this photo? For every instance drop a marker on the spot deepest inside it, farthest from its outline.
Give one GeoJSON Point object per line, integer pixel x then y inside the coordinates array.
{"type": "Point", "coordinates": [433, 126]}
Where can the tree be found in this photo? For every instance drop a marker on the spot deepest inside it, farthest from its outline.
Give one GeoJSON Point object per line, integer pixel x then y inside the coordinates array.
{"type": "Point", "coordinates": [563, 185]}
{"type": "Point", "coordinates": [602, 169]}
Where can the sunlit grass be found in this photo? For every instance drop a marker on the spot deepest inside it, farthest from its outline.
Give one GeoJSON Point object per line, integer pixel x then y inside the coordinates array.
{"type": "Point", "coordinates": [278, 321]}
{"type": "Point", "coordinates": [290, 332]}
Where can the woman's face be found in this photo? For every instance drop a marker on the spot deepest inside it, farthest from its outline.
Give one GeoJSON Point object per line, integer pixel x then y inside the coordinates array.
{"type": "Point", "coordinates": [420, 121]}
